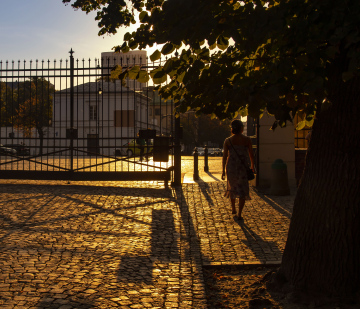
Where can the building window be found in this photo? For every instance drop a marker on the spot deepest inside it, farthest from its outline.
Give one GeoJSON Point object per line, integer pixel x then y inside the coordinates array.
{"type": "Point", "coordinates": [93, 112]}
{"type": "Point", "coordinates": [157, 112]}
{"type": "Point", "coordinates": [125, 118]}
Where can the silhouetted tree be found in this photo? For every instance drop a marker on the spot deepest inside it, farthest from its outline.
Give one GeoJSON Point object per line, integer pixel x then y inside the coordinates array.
{"type": "Point", "coordinates": [289, 57]}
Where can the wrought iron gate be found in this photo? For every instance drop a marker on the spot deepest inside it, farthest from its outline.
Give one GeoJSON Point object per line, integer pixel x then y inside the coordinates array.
{"type": "Point", "coordinates": [70, 120]}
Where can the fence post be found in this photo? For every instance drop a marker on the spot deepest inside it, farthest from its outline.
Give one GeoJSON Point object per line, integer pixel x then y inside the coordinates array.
{"type": "Point", "coordinates": [196, 165]}
{"type": "Point", "coordinates": [257, 164]}
{"type": "Point", "coordinates": [177, 153]}
{"type": "Point", "coordinates": [71, 110]}
{"type": "Point", "coordinates": [206, 159]}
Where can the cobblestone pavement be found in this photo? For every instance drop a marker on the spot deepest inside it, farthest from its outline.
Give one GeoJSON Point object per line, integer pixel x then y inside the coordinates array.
{"type": "Point", "coordinates": [127, 244]}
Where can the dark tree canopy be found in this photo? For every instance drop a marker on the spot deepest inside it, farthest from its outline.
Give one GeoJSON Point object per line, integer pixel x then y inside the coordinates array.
{"type": "Point", "coordinates": [287, 57]}
{"type": "Point", "coordinates": [34, 108]}
{"type": "Point", "coordinates": [242, 56]}
{"type": "Point", "coordinates": [7, 98]}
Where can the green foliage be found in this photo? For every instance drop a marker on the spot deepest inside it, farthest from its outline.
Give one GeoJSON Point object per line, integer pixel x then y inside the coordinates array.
{"type": "Point", "coordinates": [34, 105]}
{"type": "Point", "coordinates": [158, 75]}
{"type": "Point", "coordinates": [155, 56]}
{"type": "Point", "coordinates": [242, 56]}
{"type": "Point", "coordinates": [8, 97]}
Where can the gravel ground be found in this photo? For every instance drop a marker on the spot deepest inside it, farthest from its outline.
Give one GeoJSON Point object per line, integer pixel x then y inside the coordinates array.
{"type": "Point", "coordinates": [234, 287]}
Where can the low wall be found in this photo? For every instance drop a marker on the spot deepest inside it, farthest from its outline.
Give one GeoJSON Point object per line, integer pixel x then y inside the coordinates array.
{"type": "Point", "coordinates": [277, 144]}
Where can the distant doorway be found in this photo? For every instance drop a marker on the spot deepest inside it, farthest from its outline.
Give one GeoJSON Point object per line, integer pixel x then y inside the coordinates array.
{"type": "Point", "coordinates": [93, 144]}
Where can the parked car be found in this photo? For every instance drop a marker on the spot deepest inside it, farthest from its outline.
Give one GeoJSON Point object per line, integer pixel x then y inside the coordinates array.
{"type": "Point", "coordinates": [200, 150]}
{"type": "Point", "coordinates": [218, 152]}
{"type": "Point", "coordinates": [133, 148]}
{"type": "Point", "coordinates": [6, 150]}
{"type": "Point", "coordinates": [212, 152]}
{"type": "Point", "coordinates": [21, 150]}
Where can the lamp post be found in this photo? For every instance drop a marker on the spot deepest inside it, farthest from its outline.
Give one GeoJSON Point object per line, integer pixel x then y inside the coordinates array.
{"type": "Point", "coordinates": [98, 94]}
{"type": "Point", "coordinates": [166, 127]}
{"type": "Point", "coordinates": [98, 118]}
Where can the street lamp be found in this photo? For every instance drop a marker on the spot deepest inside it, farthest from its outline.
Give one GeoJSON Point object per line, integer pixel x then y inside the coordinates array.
{"type": "Point", "coordinates": [99, 93]}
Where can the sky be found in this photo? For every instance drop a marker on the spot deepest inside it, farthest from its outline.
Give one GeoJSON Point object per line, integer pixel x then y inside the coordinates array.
{"type": "Point", "coordinates": [47, 30]}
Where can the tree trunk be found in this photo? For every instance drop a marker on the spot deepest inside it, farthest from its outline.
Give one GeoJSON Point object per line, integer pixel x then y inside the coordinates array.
{"type": "Point", "coordinates": [322, 253]}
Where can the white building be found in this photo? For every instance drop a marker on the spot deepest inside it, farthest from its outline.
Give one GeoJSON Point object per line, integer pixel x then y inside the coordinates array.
{"type": "Point", "coordinates": [109, 60]}
{"type": "Point", "coordinates": [102, 121]}
{"type": "Point", "coordinates": [106, 116]}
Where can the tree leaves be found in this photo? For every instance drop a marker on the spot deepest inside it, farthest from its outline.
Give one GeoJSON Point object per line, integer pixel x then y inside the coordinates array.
{"type": "Point", "coordinates": [133, 72]}
{"type": "Point", "coordinates": [301, 125]}
{"type": "Point", "coordinates": [158, 75]}
{"type": "Point", "coordinates": [36, 106]}
{"type": "Point", "coordinates": [237, 56]}
{"type": "Point", "coordinates": [168, 49]}
{"type": "Point", "coordinates": [143, 17]}
{"type": "Point", "coordinates": [155, 56]}
{"type": "Point", "coordinates": [222, 42]}
{"type": "Point", "coordinates": [143, 77]}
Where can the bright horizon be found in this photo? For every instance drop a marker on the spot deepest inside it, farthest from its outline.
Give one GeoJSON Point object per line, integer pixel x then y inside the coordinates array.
{"type": "Point", "coordinates": [48, 29]}
{"type": "Point", "coordinates": [39, 31]}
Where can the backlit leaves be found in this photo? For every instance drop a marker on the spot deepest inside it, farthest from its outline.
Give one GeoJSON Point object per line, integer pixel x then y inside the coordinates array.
{"type": "Point", "coordinates": [127, 36]}
{"type": "Point", "coordinates": [171, 66]}
{"type": "Point", "coordinates": [301, 125]}
{"type": "Point", "coordinates": [155, 56]}
{"type": "Point", "coordinates": [143, 17]}
{"type": "Point", "coordinates": [116, 72]}
{"type": "Point", "coordinates": [143, 77]}
{"type": "Point", "coordinates": [222, 42]}
{"type": "Point", "coordinates": [237, 57]}
{"type": "Point", "coordinates": [158, 75]}
{"type": "Point", "coordinates": [168, 49]}
{"type": "Point", "coordinates": [133, 72]}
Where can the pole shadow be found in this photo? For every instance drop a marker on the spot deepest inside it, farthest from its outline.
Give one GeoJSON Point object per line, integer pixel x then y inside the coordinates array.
{"type": "Point", "coordinates": [27, 215]}
{"type": "Point", "coordinates": [212, 176]}
{"type": "Point", "coordinates": [164, 249]}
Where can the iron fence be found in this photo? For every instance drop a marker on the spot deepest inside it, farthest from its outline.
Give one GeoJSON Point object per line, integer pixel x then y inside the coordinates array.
{"type": "Point", "coordinates": [73, 121]}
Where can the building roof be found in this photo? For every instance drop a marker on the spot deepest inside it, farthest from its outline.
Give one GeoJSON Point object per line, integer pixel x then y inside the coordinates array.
{"type": "Point", "coordinates": [104, 86]}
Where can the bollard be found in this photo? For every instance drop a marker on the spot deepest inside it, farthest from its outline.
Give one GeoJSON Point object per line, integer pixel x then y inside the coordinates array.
{"type": "Point", "coordinates": [206, 159]}
{"type": "Point", "coordinates": [279, 179]}
{"type": "Point", "coordinates": [196, 165]}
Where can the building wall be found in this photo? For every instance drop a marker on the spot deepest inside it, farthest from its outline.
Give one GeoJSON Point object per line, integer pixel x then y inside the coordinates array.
{"type": "Point", "coordinates": [110, 134]}
{"type": "Point", "coordinates": [278, 144]}
{"type": "Point", "coordinates": [160, 111]}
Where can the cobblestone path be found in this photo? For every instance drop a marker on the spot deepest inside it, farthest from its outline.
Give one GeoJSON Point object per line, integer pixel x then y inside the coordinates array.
{"type": "Point", "coordinates": [127, 244]}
